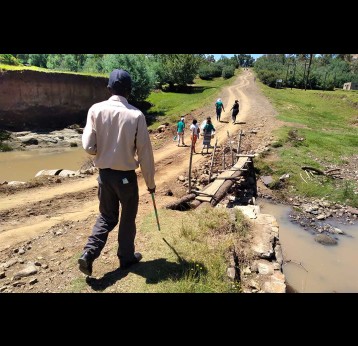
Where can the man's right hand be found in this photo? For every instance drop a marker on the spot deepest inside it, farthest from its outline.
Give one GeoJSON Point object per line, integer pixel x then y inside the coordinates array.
{"type": "Point", "coordinates": [151, 190]}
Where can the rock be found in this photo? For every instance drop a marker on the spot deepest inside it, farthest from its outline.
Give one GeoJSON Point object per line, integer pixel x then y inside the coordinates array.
{"type": "Point", "coordinates": [265, 267]}
{"type": "Point", "coordinates": [168, 193]}
{"type": "Point", "coordinates": [267, 179]}
{"type": "Point", "coordinates": [231, 273]}
{"type": "Point", "coordinates": [278, 254]}
{"type": "Point", "coordinates": [250, 211]}
{"type": "Point", "coordinates": [254, 284]}
{"type": "Point", "coordinates": [27, 271]}
{"type": "Point", "coordinates": [263, 236]}
{"type": "Point", "coordinates": [37, 263]}
{"type": "Point", "coordinates": [67, 173]}
{"type": "Point", "coordinates": [3, 288]}
{"type": "Point", "coordinates": [246, 271]}
{"type": "Point", "coordinates": [58, 233]}
{"type": "Point", "coordinates": [352, 210]}
{"type": "Point", "coordinates": [44, 266]}
{"type": "Point", "coordinates": [33, 281]}
{"type": "Point", "coordinates": [254, 267]}
{"type": "Point", "coordinates": [161, 128]}
{"type": "Point", "coordinates": [16, 183]}
{"type": "Point", "coordinates": [321, 217]}
{"type": "Point", "coordinates": [18, 284]}
{"type": "Point", "coordinates": [181, 178]}
{"type": "Point", "coordinates": [29, 141]}
{"type": "Point", "coordinates": [9, 263]}
{"type": "Point", "coordinates": [336, 230]}
{"type": "Point", "coordinates": [21, 251]}
{"type": "Point", "coordinates": [2, 275]}
{"type": "Point", "coordinates": [325, 239]}
{"type": "Point", "coordinates": [274, 287]}
{"type": "Point", "coordinates": [276, 284]}
{"type": "Point", "coordinates": [284, 177]}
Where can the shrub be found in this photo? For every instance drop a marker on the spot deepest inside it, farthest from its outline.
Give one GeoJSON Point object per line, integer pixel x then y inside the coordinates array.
{"type": "Point", "coordinates": [228, 72]}
{"type": "Point", "coordinates": [8, 59]}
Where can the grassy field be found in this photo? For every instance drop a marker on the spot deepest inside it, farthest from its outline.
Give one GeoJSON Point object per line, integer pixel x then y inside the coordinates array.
{"type": "Point", "coordinates": [169, 106]}
{"type": "Point", "coordinates": [321, 131]}
{"type": "Point", "coordinates": [4, 67]}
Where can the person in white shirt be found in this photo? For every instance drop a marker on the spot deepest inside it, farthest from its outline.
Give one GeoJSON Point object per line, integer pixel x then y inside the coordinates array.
{"type": "Point", "coordinates": [116, 133]}
{"type": "Point", "coordinates": [194, 131]}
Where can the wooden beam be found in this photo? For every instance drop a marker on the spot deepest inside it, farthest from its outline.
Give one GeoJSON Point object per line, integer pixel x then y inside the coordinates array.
{"type": "Point", "coordinates": [245, 155]}
{"type": "Point", "coordinates": [229, 178]}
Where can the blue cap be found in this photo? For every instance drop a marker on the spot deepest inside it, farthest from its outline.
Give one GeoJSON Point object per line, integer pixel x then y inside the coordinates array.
{"type": "Point", "coordinates": [120, 78]}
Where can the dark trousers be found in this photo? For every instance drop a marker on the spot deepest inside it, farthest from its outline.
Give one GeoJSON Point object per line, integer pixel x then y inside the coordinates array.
{"type": "Point", "coordinates": [235, 112]}
{"type": "Point", "coordinates": [115, 189]}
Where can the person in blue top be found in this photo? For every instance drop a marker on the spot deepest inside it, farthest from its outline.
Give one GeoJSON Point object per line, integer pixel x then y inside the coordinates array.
{"type": "Point", "coordinates": [180, 131]}
{"type": "Point", "coordinates": [219, 107]}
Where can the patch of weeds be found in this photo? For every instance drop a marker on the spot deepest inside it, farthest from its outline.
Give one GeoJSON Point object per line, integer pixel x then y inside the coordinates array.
{"type": "Point", "coordinates": [5, 147]}
{"type": "Point", "coordinates": [78, 285]}
{"type": "Point", "coordinates": [263, 169]}
{"type": "Point", "coordinates": [188, 231]}
{"type": "Point", "coordinates": [294, 138]}
{"type": "Point", "coordinates": [349, 195]}
{"type": "Point", "coordinates": [277, 184]}
{"type": "Point", "coordinates": [242, 226]}
{"type": "Point", "coordinates": [264, 154]}
{"type": "Point", "coordinates": [277, 144]}
{"type": "Point", "coordinates": [4, 135]}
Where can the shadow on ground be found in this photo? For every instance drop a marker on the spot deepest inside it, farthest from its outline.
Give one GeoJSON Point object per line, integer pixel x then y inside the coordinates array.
{"type": "Point", "coordinates": [153, 271]}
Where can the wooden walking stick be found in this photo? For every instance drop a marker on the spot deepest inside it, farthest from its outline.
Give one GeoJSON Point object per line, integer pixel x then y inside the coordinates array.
{"type": "Point", "coordinates": [155, 210]}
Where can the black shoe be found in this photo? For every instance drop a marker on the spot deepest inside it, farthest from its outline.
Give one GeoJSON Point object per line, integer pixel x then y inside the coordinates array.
{"type": "Point", "coordinates": [85, 263]}
{"type": "Point", "coordinates": [126, 264]}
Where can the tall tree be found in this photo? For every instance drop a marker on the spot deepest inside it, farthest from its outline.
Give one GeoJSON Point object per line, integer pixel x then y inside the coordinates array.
{"type": "Point", "coordinates": [178, 69]}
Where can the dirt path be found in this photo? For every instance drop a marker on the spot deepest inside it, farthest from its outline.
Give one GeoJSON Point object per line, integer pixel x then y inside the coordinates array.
{"type": "Point", "coordinates": [29, 214]}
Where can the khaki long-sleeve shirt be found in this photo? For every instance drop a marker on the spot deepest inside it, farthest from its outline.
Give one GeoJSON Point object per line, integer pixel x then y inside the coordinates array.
{"type": "Point", "coordinates": [116, 133]}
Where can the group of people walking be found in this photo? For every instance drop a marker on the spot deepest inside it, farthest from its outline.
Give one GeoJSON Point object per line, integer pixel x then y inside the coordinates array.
{"type": "Point", "coordinates": [206, 129]}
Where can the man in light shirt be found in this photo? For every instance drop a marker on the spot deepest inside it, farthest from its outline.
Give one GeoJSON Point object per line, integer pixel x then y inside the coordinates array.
{"type": "Point", "coordinates": [116, 133]}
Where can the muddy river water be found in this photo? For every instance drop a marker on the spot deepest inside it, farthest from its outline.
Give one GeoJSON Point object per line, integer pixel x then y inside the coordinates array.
{"type": "Point", "coordinates": [23, 165]}
{"type": "Point", "coordinates": [315, 267]}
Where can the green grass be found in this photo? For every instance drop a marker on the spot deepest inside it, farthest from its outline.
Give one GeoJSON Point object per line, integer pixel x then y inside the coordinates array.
{"type": "Point", "coordinates": [4, 67]}
{"type": "Point", "coordinates": [169, 106]}
{"type": "Point", "coordinates": [327, 122]}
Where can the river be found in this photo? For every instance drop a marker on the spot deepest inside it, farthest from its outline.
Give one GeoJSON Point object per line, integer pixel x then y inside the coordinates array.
{"type": "Point", "coordinates": [23, 165]}
{"type": "Point", "coordinates": [314, 267]}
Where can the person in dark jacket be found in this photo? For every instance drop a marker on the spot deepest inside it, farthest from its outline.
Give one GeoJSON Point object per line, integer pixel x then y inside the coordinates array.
{"type": "Point", "coordinates": [235, 111]}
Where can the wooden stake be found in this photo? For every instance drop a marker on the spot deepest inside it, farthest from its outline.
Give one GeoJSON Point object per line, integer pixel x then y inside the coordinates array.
{"type": "Point", "coordinates": [191, 159]}
{"type": "Point", "coordinates": [212, 160]}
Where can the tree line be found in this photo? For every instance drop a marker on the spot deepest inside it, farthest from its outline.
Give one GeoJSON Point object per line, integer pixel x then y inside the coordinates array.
{"type": "Point", "coordinates": [326, 71]}
{"type": "Point", "coordinates": [169, 72]}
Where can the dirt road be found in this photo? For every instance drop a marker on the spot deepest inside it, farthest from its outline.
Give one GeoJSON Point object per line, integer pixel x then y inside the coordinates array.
{"type": "Point", "coordinates": [73, 205]}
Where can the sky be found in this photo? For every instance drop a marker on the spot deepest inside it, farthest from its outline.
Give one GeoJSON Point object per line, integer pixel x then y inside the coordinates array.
{"type": "Point", "coordinates": [217, 56]}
